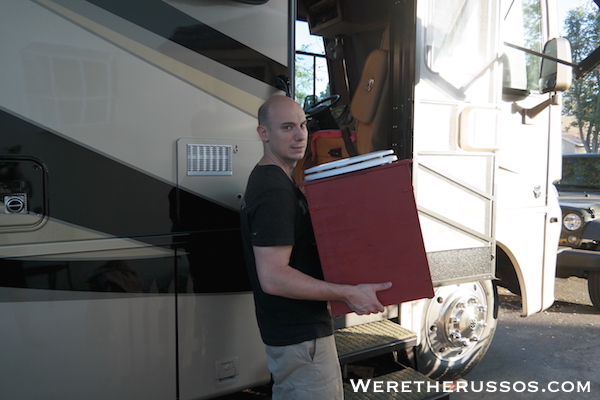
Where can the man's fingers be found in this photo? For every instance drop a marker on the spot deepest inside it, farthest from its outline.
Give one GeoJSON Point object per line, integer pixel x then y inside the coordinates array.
{"type": "Point", "coordinates": [366, 301]}
{"type": "Point", "coordinates": [378, 307]}
{"type": "Point", "coordinates": [382, 286]}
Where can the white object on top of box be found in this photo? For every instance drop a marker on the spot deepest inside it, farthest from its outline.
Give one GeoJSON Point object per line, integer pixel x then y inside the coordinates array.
{"type": "Point", "coordinates": [350, 164]}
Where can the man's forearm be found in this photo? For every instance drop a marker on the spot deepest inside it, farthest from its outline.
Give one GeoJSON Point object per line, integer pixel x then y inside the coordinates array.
{"type": "Point", "coordinates": [278, 278]}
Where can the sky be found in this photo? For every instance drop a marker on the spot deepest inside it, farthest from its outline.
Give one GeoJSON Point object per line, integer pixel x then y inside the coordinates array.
{"type": "Point", "coordinates": [565, 5]}
{"type": "Point", "coordinates": [303, 36]}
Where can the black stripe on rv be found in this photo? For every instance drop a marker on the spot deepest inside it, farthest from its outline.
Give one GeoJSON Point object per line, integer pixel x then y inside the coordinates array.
{"type": "Point", "coordinates": [172, 24]}
{"type": "Point", "coordinates": [89, 190]}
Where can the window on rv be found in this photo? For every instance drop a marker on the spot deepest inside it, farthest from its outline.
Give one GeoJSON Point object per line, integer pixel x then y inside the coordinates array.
{"type": "Point", "coordinates": [312, 78]}
{"type": "Point", "coordinates": [522, 27]}
{"type": "Point", "coordinates": [462, 44]}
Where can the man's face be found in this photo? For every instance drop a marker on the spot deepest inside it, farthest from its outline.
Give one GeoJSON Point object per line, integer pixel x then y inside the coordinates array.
{"type": "Point", "coordinates": [286, 134]}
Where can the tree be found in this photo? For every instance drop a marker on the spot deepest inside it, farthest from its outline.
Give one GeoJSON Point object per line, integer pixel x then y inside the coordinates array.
{"type": "Point", "coordinates": [311, 74]}
{"type": "Point", "coordinates": [582, 100]}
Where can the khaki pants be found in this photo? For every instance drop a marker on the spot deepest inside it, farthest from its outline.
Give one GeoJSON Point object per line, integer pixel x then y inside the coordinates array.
{"type": "Point", "coordinates": [306, 371]}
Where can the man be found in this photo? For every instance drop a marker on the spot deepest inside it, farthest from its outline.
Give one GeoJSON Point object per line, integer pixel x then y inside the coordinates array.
{"type": "Point", "coordinates": [290, 293]}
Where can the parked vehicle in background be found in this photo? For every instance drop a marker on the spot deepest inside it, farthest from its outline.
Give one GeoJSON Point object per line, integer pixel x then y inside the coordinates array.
{"type": "Point", "coordinates": [579, 198]}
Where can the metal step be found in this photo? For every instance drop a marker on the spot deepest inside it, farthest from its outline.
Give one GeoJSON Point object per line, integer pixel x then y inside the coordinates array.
{"type": "Point", "coordinates": [406, 384]}
{"type": "Point", "coordinates": [369, 340]}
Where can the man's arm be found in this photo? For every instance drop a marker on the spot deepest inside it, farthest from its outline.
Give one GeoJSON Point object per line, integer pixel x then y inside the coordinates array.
{"type": "Point", "coordinates": [278, 278]}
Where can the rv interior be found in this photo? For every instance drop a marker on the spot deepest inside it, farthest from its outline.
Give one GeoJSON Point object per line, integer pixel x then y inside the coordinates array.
{"type": "Point", "coordinates": [354, 119]}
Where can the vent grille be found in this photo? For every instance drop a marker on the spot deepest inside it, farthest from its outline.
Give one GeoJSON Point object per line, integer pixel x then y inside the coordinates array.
{"type": "Point", "coordinates": [209, 159]}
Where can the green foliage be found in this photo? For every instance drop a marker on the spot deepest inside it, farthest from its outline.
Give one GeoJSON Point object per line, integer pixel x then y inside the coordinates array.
{"type": "Point", "coordinates": [310, 74]}
{"type": "Point", "coordinates": [304, 77]}
{"type": "Point", "coordinates": [582, 100]}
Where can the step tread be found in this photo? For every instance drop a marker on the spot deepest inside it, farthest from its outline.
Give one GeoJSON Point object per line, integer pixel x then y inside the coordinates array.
{"type": "Point", "coordinates": [418, 391]}
{"type": "Point", "coordinates": [379, 336]}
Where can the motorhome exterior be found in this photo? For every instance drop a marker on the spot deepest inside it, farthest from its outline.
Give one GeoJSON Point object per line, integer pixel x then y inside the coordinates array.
{"type": "Point", "coordinates": [127, 136]}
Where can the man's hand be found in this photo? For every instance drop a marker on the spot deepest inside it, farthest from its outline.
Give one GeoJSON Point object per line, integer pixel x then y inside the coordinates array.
{"type": "Point", "coordinates": [362, 299]}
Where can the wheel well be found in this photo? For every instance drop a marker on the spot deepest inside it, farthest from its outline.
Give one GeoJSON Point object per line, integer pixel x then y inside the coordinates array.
{"type": "Point", "coordinates": [506, 272]}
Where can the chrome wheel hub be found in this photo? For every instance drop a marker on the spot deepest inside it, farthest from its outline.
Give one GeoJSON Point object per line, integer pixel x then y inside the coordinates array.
{"type": "Point", "coordinates": [457, 320]}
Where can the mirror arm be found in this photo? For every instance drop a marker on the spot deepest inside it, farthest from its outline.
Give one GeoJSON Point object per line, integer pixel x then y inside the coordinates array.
{"type": "Point", "coordinates": [527, 114]}
{"type": "Point", "coordinates": [542, 55]}
{"type": "Point", "coordinates": [588, 64]}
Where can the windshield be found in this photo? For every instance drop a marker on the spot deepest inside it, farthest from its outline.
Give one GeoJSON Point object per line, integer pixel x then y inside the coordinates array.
{"type": "Point", "coordinates": [581, 171]}
{"type": "Point", "coordinates": [462, 45]}
{"type": "Point", "coordinates": [523, 27]}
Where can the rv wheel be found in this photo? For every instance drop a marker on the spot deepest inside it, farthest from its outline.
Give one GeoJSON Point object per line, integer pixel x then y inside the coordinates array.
{"type": "Point", "coordinates": [458, 325]}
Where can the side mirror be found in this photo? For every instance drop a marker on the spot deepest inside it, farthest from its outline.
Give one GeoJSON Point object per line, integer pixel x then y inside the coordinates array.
{"type": "Point", "coordinates": [554, 76]}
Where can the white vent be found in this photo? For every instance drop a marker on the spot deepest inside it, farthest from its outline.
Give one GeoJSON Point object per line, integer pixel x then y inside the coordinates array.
{"type": "Point", "coordinates": [209, 159]}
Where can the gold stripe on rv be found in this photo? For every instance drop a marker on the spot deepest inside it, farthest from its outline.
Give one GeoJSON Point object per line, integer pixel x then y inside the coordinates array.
{"type": "Point", "coordinates": [228, 93]}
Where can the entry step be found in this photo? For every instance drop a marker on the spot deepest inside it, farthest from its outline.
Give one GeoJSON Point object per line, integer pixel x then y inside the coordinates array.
{"type": "Point", "coordinates": [368, 340]}
{"type": "Point", "coordinates": [406, 384]}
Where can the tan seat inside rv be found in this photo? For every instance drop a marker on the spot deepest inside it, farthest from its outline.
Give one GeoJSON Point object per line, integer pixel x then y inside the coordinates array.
{"type": "Point", "coordinates": [367, 108]}
{"type": "Point", "coordinates": [368, 103]}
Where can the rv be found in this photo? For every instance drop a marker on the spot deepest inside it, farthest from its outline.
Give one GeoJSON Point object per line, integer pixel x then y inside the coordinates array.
{"type": "Point", "coordinates": [128, 131]}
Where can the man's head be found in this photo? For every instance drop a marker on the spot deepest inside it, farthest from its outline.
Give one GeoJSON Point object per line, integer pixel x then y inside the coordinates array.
{"type": "Point", "coordinates": [282, 128]}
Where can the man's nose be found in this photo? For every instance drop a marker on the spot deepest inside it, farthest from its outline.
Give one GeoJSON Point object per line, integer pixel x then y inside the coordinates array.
{"type": "Point", "coordinates": [300, 133]}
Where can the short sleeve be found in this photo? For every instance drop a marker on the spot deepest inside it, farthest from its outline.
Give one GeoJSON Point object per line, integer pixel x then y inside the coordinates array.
{"type": "Point", "coordinates": [273, 219]}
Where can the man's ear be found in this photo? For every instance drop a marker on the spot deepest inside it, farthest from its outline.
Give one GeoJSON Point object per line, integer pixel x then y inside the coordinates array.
{"type": "Point", "coordinates": [263, 133]}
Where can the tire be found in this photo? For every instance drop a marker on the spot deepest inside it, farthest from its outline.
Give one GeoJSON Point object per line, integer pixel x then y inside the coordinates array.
{"type": "Point", "coordinates": [594, 288]}
{"type": "Point", "coordinates": [458, 326]}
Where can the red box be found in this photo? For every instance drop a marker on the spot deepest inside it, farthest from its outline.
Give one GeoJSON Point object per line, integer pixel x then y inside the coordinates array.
{"type": "Point", "coordinates": [368, 231]}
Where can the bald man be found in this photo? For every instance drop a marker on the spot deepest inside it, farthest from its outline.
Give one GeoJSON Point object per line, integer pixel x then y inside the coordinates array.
{"type": "Point", "coordinates": [281, 255]}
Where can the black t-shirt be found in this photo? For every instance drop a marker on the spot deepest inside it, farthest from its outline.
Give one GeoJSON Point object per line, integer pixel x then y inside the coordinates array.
{"type": "Point", "coordinates": [275, 213]}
